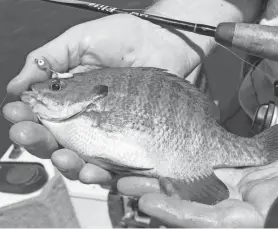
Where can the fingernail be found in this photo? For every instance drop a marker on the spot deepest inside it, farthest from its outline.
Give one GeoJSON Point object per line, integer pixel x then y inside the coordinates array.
{"type": "Point", "coordinates": [61, 169]}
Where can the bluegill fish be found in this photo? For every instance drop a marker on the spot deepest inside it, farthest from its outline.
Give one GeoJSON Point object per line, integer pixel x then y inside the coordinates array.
{"type": "Point", "coordinates": [149, 122]}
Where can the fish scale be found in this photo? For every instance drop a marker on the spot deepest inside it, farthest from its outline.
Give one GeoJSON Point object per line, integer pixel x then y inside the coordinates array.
{"type": "Point", "coordinates": [147, 121]}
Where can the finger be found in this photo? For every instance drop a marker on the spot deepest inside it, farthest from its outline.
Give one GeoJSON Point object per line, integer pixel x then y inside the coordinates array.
{"type": "Point", "coordinates": [92, 174]}
{"type": "Point", "coordinates": [257, 191]}
{"type": "Point", "coordinates": [177, 213]}
{"type": "Point", "coordinates": [68, 163]}
{"type": "Point", "coordinates": [259, 183]}
{"type": "Point", "coordinates": [34, 137]}
{"type": "Point", "coordinates": [137, 186]}
{"type": "Point", "coordinates": [62, 53]}
{"type": "Point", "coordinates": [237, 214]}
{"type": "Point", "coordinates": [17, 111]}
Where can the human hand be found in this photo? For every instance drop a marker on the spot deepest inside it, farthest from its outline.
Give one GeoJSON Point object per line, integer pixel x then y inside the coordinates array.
{"type": "Point", "coordinates": [118, 40]}
{"type": "Point", "coordinates": [253, 190]}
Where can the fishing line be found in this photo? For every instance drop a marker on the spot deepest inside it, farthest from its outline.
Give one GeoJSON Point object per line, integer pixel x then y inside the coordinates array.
{"type": "Point", "coordinates": [237, 110]}
{"type": "Point", "coordinates": [3, 100]}
{"type": "Point", "coordinates": [242, 59]}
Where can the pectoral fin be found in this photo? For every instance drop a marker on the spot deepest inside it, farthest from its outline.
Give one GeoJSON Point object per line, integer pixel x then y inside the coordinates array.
{"type": "Point", "coordinates": [118, 167]}
{"type": "Point", "coordinates": [207, 190]}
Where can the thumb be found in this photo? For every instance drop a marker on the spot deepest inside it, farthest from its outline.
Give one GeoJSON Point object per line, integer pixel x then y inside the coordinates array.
{"type": "Point", "coordinates": [62, 53]}
{"type": "Point", "coordinates": [177, 213]}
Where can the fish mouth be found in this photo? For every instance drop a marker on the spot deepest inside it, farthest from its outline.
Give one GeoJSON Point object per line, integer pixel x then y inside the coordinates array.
{"type": "Point", "coordinates": [59, 113]}
{"type": "Point", "coordinates": [31, 98]}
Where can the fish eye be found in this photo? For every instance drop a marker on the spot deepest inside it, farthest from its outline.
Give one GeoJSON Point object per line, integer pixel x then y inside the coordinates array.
{"type": "Point", "coordinates": [55, 85]}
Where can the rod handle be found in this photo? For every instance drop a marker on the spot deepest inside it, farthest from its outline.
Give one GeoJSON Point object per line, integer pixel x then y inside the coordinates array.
{"type": "Point", "coordinates": [257, 40]}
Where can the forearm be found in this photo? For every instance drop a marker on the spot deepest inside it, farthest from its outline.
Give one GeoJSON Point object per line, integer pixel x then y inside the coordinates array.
{"type": "Point", "coordinates": [211, 12]}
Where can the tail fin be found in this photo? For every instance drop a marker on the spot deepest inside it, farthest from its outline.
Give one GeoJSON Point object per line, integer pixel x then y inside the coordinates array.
{"type": "Point", "coordinates": [269, 139]}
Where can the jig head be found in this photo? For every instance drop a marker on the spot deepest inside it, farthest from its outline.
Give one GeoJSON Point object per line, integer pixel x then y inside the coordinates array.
{"type": "Point", "coordinates": [44, 65]}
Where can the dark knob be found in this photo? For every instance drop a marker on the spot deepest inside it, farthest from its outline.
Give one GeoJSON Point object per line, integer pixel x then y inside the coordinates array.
{"type": "Point", "coordinates": [276, 88]}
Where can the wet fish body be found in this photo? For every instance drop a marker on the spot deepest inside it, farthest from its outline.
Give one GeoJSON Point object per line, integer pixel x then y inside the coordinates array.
{"type": "Point", "coordinates": [147, 121]}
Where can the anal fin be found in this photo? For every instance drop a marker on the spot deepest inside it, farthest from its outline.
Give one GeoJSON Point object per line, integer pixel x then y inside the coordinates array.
{"type": "Point", "coordinates": [207, 190]}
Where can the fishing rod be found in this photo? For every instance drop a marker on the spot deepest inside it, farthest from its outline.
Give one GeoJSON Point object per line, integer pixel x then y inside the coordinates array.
{"type": "Point", "coordinates": [191, 27]}
{"type": "Point", "coordinates": [257, 40]}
